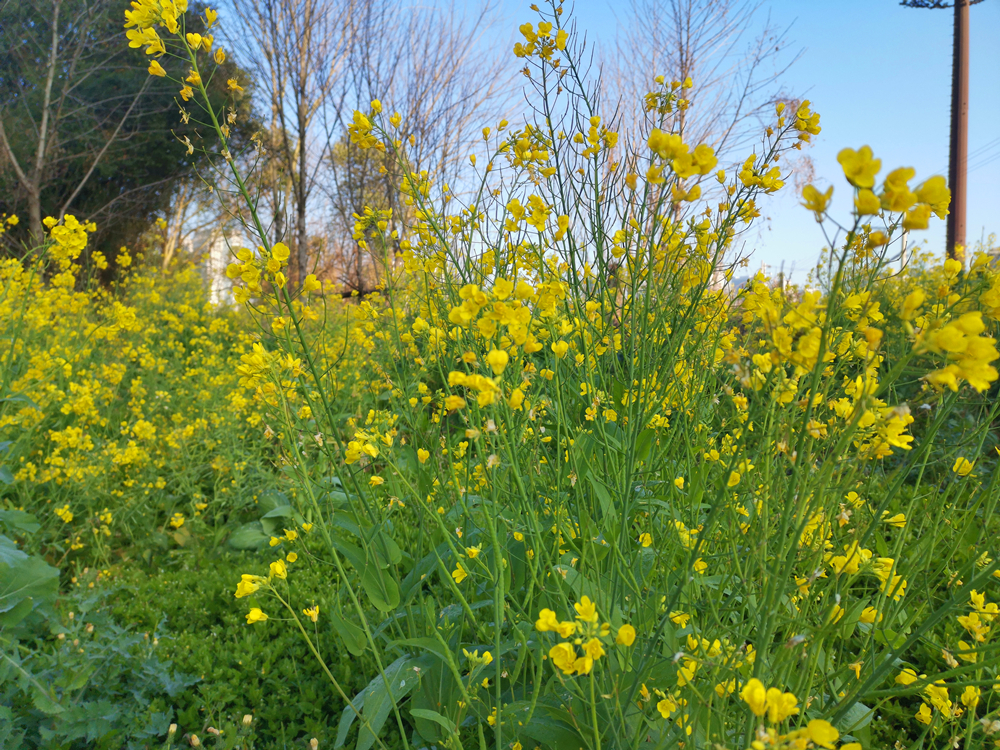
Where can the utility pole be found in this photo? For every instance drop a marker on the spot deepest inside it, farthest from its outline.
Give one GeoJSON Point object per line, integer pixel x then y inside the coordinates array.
{"type": "Point", "coordinates": [958, 151]}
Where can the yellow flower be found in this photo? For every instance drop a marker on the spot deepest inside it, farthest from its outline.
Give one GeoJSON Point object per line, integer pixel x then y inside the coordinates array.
{"type": "Point", "coordinates": [546, 621]}
{"type": "Point", "coordinates": [497, 360]}
{"type": "Point", "coordinates": [680, 618]}
{"type": "Point", "coordinates": [375, 481]}
{"type": "Point", "coordinates": [666, 707]}
{"type": "Point", "coordinates": [564, 657]}
{"type": "Point", "coordinates": [870, 615]}
{"type": "Point", "coordinates": [626, 635]}
{"type": "Point", "coordinates": [255, 615]}
{"type": "Point", "coordinates": [734, 479]}
{"type": "Point", "coordinates": [516, 399]}
{"type": "Point", "coordinates": [593, 649]}
{"type": "Point", "coordinates": [177, 520]}
{"type": "Point", "coordinates": [859, 166]}
{"type": "Point", "coordinates": [898, 520]}
{"type": "Point", "coordinates": [816, 201]}
{"type": "Point", "coordinates": [459, 573]}
{"type": "Point", "coordinates": [473, 552]}
{"type": "Point", "coordinates": [970, 697]}
{"type": "Point", "coordinates": [234, 85]}
{"type": "Point", "coordinates": [312, 612]}
{"type": "Point", "coordinates": [280, 252]}
{"type": "Point", "coordinates": [822, 733]}
{"type": "Point", "coordinates": [186, 93]}
{"type": "Point", "coordinates": [906, 677]}
{"type": "Point", "coordinates": [559, 348]}
{"type": "Point", "coordinates": [291, 557]}
{"type": "Point", "coordinates": [755, 696]}
{"type": "Point", "coordinates": [896, 196]}
{"type": "Point", "coordinates": [917, 217]}
{"type": "Point", "coordinates": [645, 539]}
{"type": "Point", "coordinates": [923, 714]}
{"type": "Point", "coordinates": [423, 455]}
{"type": "Point", "coordinates": [867, 203]}
{"type": "Point", "coordinates": [963, 466]}
{"type": "Point", "coordinates": [935, 193]}
{"type": "Point", "coordinates": [780, 705]}
{"type": "Point", "coordinates": [279, 569]}
{"type": "Point", "coordinates": [679, 483]}
{"type": "Point", "coordinates": [586, 610]}
{"type": "Point", "coordinates": [155, 69]}
{"type": "Point", "coordinates": [248, 585]}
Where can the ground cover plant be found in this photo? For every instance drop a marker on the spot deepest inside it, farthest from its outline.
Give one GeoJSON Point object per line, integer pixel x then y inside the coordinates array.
{"type": "Point", "coordinates": [554, 485]}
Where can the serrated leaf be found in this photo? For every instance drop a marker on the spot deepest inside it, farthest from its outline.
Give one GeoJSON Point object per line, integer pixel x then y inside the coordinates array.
{"type": "Point", "coordinates": [45, 704]}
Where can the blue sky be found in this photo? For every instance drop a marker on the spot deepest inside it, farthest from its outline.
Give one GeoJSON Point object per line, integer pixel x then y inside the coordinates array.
{"type": "Point", "coordinates": [879, 74]}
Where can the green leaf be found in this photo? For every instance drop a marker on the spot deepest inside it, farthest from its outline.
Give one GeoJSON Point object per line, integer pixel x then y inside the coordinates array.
{"type": "Point", "coordinates": [280, 518]}
{"type": "Point", "coordinates": [18, 612]}
{"type": "Point", "coordinates": [604, 498]}
{"type": "Point", "coordinates": [5, 476]}
{"type": "Point", "coordinates": [414, 579]}
{"type": "Point", "coordinates": [427, 644]}
{"type": "Point", "coordinates": [249, 536]}
{"type": "Point", "coordinates": [552, 732]}
{"type": "Point", "coordinates": [351, 634]}
{"type": "Point", "coordinates": [377, 583]}
{"type": "Point", "coordinates": [858, 717]}
{"type": "Point", "coordinates": [31, 577]}
{"type": "Point", "coordinates": [18, 519]}
{"type": "Point", "coordinates": [271, 499]}
{"type": "Point", "coordinates": [348, 716]}
{"type": "Point", "coordinates": [644, 444]}
{"type": "Point", "coordinates": [376, 704]}
{"type": "Point", "coordinates": [427, 714]}
{"type": "Point", "coordinates": [9, 552]}
{"type": "Point", "coordinates": [44, 703]}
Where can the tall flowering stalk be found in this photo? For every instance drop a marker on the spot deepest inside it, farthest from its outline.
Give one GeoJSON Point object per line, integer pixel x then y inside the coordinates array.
{"type": "Point", "coordinates": [575, 488]}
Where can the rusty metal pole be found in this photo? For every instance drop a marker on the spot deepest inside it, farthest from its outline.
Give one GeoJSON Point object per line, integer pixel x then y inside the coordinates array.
{"type": "Point", "coordinates": [959, 148]}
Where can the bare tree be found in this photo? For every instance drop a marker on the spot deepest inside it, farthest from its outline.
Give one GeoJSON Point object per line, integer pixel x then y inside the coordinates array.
{"type": "Point", "coordinates": [295, 49]}
{"type": "Point", "coordinates": [428, 66]}
{"type": "Point", "coordinates": [194, 220]}
{"type": "Point", "coordinates": [734, 57]}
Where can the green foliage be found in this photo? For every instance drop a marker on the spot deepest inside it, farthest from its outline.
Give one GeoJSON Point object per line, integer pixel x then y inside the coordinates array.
{"type": "Point", "coordinates": [242, 669]}
{"type": "Point", "coordinates": [97, 80]}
